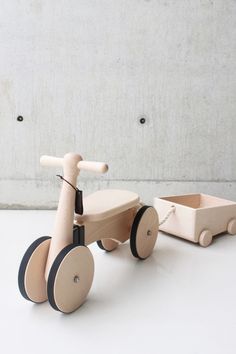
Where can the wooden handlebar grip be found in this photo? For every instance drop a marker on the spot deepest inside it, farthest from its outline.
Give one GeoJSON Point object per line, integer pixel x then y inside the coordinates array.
{"type": "Point", "coordinates": [51, 161]}
{"type": "Point", "coordinates": [93, 166]}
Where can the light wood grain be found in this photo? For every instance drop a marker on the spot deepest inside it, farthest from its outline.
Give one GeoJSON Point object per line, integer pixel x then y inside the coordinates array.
{"type": "Point", "coordinates": [73, 279]}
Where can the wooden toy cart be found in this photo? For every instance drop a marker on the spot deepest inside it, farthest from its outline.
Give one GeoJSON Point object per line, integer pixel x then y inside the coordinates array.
{"type": "Point", "coordinates": [60, 268]}
{"type": "Point", "coordinates": [197, 217]}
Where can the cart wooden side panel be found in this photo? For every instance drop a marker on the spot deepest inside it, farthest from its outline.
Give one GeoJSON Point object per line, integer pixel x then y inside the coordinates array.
{"type": "Point", "coordinates": [181, 223]}
{"type": "Point", "coordinates": [215, 219]}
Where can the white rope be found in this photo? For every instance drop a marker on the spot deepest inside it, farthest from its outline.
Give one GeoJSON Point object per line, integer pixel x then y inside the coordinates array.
{"type": "Point", "coordinates": [172, 210]}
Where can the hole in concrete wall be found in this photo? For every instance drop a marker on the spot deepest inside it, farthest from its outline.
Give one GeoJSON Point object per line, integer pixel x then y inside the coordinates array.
{"type": "Point", "coordinates": [142, 120]}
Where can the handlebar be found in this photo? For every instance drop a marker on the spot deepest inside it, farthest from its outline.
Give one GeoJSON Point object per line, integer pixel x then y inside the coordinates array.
{"type": "Point", "coordinates": [51, 161]}
{"type": "Point", "coordinates": [92, 166]}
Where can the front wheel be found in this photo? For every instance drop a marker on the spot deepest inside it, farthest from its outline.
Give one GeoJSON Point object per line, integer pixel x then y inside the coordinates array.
{"type": "Point", "coordinates": [205, 238]}
{"type": "Point", "coordinates": [232, 227]}
{"type": "Point", "coordinates": [31, 278]}
{"type": "Point", "coordinates": [144, 232]}
{"type": "Point", "coordinates": [70, 278]}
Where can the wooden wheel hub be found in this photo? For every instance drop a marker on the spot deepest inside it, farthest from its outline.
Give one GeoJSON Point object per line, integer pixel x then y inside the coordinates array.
{"type": "Point", "coordinates": [70, 278]}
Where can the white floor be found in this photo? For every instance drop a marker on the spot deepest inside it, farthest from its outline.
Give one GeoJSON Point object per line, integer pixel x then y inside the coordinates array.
{"type": "Point", "coordinates": [180, 300]}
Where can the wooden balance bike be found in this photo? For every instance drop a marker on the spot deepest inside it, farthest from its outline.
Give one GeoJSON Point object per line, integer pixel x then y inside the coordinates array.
{"type": "Point", "coordinates": [60, 268]}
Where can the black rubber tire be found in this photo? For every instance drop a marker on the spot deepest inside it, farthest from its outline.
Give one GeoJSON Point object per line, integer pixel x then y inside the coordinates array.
{"type": "Point", "coordinates": [134, 229]}
{"type": "Point", "coordinates": [100, 245]}
{"type": "Point", "coordinates": [103, 247]}
{"type": "Point", "coordinates": [53, 274]}
{"type": "Point", "coordinates": [24, 263]}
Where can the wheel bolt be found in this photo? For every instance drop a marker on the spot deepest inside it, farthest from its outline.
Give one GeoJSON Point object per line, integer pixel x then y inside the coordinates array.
{"type": "Point", "coordinates": [76, 279]}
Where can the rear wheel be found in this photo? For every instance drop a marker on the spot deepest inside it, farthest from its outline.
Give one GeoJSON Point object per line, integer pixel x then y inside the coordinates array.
{"type": "Point", "coordinates": [107, 244]}
{"type": "Point", "coordinates": [144, 232]}
{"type": "Point", "coordinates": [31, 278]}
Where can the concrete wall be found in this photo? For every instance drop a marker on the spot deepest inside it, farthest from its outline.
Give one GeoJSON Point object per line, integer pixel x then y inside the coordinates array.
{"type": "Point", "coordinates": [82, 73]}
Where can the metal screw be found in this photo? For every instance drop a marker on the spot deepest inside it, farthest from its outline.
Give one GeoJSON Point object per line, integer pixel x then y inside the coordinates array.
{"type": "Point", "coordinates": [76, 279]}
{"type": "Point", "coordinates": [149, 232]}
{"type": "Point", "coordinates": [20, 119]}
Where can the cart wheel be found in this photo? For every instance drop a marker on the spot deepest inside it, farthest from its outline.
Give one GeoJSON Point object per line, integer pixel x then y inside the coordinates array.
{"type": "Point", "coordinates": [70, 278]}
{"type": "Point", "coordinates": [31, 278]}
{"type": "Point", "coordinates": [144, 232]}
{"type": "Point", "coordinates": [205, 238]}
{"type": "Point", "coordinates": [107, 244]}
{"type": "Point", "coordinates": [232, 227]}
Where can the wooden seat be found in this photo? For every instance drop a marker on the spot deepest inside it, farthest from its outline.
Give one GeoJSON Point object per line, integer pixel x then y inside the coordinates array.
{"type": "Point", "coordinates": [105, 203]}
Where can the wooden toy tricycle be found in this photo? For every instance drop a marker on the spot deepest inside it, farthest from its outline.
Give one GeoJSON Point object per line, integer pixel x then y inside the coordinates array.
{"type": "Point", "coordinates": [60, 268]}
